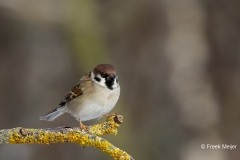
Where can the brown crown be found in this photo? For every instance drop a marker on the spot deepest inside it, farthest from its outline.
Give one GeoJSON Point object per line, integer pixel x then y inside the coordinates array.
{"type": "Point", "coordinates": [105, 68]}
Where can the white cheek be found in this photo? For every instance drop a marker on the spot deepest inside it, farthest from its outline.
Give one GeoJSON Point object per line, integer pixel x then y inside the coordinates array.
{"type": "Point", "coordinates": [101, 83]}
{"type": "Point", "coordinates": [115, 84]}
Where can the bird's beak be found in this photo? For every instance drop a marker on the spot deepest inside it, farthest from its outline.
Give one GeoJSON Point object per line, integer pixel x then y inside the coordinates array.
{"type": "Point", "coordinates": [110, 78]}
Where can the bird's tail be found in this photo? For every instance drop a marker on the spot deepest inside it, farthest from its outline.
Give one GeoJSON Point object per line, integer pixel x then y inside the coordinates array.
{"type": "Point", "coordinates": [53, 114]}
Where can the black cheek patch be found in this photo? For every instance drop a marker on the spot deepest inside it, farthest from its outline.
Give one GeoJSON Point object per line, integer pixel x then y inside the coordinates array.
{"type": "Point", "coordinates": [97, 79]}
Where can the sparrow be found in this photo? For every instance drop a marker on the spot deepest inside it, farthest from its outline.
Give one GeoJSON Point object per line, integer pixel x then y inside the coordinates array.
{"type": "Point", "coordinates": [92, 97]}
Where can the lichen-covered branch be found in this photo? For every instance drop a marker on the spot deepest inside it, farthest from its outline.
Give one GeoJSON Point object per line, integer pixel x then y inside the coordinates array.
{"type": "Point", "coordinates": [65, 134]}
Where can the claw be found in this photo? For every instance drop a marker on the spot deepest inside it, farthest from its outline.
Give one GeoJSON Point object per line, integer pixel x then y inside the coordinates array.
{"type": "Point", "coordinates": [82, 126]}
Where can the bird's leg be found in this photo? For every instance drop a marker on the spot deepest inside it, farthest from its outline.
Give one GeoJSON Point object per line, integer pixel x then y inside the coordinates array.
{"type": "Point", "coordinates": [109, 115]}
{"type": "Point", "coordinates": [82, 126]}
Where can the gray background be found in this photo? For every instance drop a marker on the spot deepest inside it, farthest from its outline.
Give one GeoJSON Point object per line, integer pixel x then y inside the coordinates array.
{"type": "Point", "coordinates": [178, 64]}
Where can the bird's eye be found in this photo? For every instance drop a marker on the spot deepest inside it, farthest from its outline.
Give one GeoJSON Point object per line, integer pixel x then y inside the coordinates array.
{"type": "Point", "coordinates": [103, 75]}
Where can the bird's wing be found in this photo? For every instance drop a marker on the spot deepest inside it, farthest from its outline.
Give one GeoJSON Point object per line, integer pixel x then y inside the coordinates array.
{"type": "Point", "coordinates": [77, 90]}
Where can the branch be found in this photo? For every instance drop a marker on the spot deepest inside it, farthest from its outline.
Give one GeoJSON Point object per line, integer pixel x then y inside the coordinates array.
{"type": "Point", "coordinates": [65, 134]}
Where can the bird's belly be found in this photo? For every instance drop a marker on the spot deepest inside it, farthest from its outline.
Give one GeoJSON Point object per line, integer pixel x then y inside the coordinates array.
{"type": "Point", "coordinates": [93, 110]}
{"type": "Point", "coordinates": [92, 107]}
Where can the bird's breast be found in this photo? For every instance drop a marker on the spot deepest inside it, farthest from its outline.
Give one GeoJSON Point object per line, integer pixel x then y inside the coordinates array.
{"type": "Point", "coordinates": [94, 103]}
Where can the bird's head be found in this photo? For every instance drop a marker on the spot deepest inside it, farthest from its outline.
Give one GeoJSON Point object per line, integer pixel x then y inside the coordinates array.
{"type": "Point", "coordinates": [105, 75]}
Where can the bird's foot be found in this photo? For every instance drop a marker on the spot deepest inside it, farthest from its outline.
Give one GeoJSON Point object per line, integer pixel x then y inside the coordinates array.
{"type": "Point", "coordinates": [83, 127]}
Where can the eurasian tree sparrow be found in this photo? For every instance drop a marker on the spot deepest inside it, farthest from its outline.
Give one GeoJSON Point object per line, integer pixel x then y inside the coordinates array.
{"type": "Point", "coordinates": [94, 96]}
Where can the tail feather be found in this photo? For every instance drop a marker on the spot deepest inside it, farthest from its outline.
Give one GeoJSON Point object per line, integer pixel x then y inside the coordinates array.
{"type": "Point", "coordinates": [53, 114]}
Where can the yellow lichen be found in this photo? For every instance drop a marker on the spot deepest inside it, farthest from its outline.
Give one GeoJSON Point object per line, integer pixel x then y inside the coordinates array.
{"type": "Point", "coordinates": [41, 136]}
{"type": "Point", "coordinates": [109, 127]}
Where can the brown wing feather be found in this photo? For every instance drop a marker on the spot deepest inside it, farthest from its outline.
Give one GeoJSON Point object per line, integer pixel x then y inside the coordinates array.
{"type": "Point", "coordinates": [77, 90]}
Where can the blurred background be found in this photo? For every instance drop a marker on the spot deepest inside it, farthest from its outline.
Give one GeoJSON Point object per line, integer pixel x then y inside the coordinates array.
{"type": "Point", "coordinates": [178, 63]}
